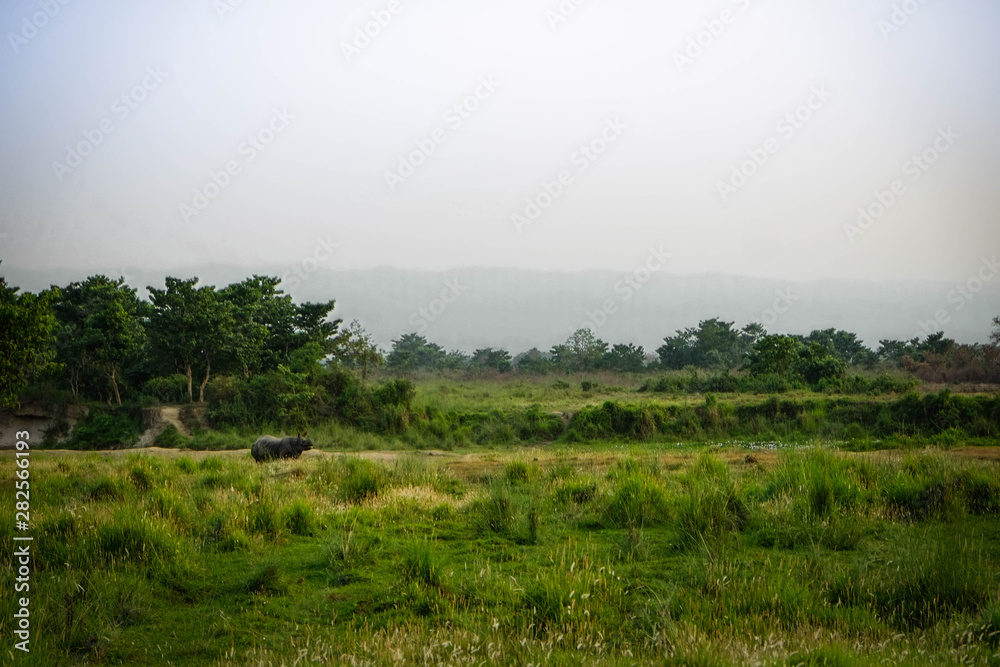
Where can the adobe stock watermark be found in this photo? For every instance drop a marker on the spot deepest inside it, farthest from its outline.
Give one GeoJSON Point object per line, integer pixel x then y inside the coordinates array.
{"type": "Point", "coordinates": [782, 304]}
{"type": "Point", "coordinates": [585, 156]}
{"type": "Point", "coordinates": [248, 150]}
{"type": "Point", "coordinates": [454, 118]}
{"type": "Point", "coordinates": [365, 34]}
{"type": "Point", "coordinates": [322, 252]}
{"type": "Point", "coordinates": [961, 295]}
{"type": "Point", "coordinates": [450, 293]}
{"type": "Point", "coordinates": [713, 29]}
{"type": "Point", "coordinates": [626, 289]}
{"type": "Point", "coordinates": [562, 13]}
{"type": "Point", "coordinates": [121, 108]}
{"type": "Point", "coordinates": [224, 7]}
{"type": "Point", "coordinates": [31, 25]}
{"type": "Point", "coordinates": [900, 16]}
{"type": "Point", "coordinates": [914, 168]}
{"type": "Point", "coordinates": [787, 126]}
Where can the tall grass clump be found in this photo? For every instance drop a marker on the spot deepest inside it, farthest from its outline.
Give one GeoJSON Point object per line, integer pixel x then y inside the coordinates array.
{"type": "Point", "coordinates": [128, 538]}
{"type": "Point", "coordinates": [711, 506]}
{"type": "Point", "coordinates": [361, 481]}
{"type": "Point", "coordinates": [420, 565]}
{"type": "Point", "coordinates": [265, 580]}
{"type": "Point", "coordinates": [930, 575]}
{"type": "Point", "coordinates": [299, 518]}
{"type": "Point", "coordinates": [637, 500]}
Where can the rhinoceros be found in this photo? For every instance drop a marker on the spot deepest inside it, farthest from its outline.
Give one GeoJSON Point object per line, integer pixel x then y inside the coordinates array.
{"type": "Point", "coordinates": [268, 447]}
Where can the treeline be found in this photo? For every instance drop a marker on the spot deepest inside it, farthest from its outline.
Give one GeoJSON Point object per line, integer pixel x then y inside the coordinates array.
{"type": "Point", "coordinates": [820, 360]}
{"type": "Point", "coordinates": [255, 356]}
{"type": "Point", "coordinates": [96, 340]}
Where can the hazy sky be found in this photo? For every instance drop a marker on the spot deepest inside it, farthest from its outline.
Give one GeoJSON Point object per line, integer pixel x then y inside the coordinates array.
{"type": "Point", "coordinates": [313, 121]}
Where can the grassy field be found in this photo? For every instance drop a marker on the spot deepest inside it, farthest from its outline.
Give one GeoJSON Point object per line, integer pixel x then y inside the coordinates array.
{"type": "Point", "coordinates": [600, 554]}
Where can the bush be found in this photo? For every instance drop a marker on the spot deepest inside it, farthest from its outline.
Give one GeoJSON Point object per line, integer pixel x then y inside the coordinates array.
{"type": "Point", "coordinates": [170, 438]}
{"type": "Point", "coordinates": [106, 429]}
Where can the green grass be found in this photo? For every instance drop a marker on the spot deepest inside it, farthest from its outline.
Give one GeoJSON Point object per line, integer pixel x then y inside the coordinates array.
{"type": "Point", "coordinates": [566, 555]}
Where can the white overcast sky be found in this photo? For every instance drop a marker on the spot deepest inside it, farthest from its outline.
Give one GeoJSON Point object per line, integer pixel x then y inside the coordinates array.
{"type": "Point", "coordinates": [323, 177]}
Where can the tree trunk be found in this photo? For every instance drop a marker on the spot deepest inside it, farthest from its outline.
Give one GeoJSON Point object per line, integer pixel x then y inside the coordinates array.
{"type": "Point", "coordinates": [190, 382]}
{"type": "Point", "coordinates": [201, 390]}
{"type": "Point", "coordinates": [114, 384]}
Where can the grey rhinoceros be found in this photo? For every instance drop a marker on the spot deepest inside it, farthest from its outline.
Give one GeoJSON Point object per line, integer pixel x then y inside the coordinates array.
{"type": "Point", "coordinates": [268, 447]}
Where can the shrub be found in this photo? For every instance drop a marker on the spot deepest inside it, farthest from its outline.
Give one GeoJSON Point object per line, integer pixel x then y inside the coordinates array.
{"type": "Point", "coordinates": [106, 429]}
{"type": "Point", "coordinates": [169, 438]}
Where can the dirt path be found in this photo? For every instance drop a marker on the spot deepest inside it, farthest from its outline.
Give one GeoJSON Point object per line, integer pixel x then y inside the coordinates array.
{"type": "Point", "coordinates": [472, 465]}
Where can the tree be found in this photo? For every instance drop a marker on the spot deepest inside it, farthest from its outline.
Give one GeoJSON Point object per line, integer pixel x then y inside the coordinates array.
{"type": "Point", "coordinates": [817, 362]}
{"type": "Point", "coordinates": [190, 328]}
{"type": "Point", "coordinates": [263, 334]}
{"type": "Point", "coordinates": [101, 329]}
{"type": "Point", "coordinates": [27, 323]}
{"type": "Point", "coordinates": [995, 336]}
{"type": "Point", "coordinates": [359, 349]}
{"type": "Point", "coordinates": [534, 361]}
{"type": "Point", "coordinates": [488, 358]}
{"type": "Point", "coordinates": [312, 324]}
{"type": "Point", "coordinates": [412, 351]}
{"type": "Point", "coordinates": [713, 344]}
{"type": "Point", "coordinates": [582, 351]}
{"type": "Point", "coordinates": [845, 346]}
{"type": "Point", "coordinates": [936, 344]}
{"type": "Point", "coordinates": [895, 351]}
{"type": "Point", "coordinates": [625, 358]}
{"type": "Point", "coordinates": [773, 355]}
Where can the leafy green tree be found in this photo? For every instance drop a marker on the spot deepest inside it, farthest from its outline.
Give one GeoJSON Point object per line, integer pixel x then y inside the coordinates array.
{"type": "Point", "coordinates": [712, 344]}
{"type": "Point", "coordinates": [936, 344]}
{"type": "Point", "coordinates": [773, 355]}
{"type": "Point", "coordinates": [263, 325]}
{"type": "Point", "coordinates": [844, 345]}
{"type": "Point", "coordinates": [191, 328]}
{"type": "Point", "coordinates": [995, 336]}
{"type": "Point", "coordinates": [895, 351]}
{"type": "Point", "coordinates": [101, 329]}
{"type": "Point", "coordinates": [818, 362]}
{"type": "Point", "coordinates": [313, 324]}
{"type": "Point", "coordinates": [534, 362]}
{"type": "Point", "coordinates": [625, 358]}
{"type": "Point", "coordinates": [412, 352]}
{"type": "Point", "coordinates": [582, 351]}
{"type": "Point", "coordinates": [359, 350]}
{"type": "Point", "coordinates": [456, 360]}
{"type": "Point", "coordinates": [27, 322]}
{"type": "Point", "coordinates": [492, 359]}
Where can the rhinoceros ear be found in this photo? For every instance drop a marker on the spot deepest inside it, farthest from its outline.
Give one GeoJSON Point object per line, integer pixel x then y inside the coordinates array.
{"type": "Point", "coordinates": [305, 435]}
